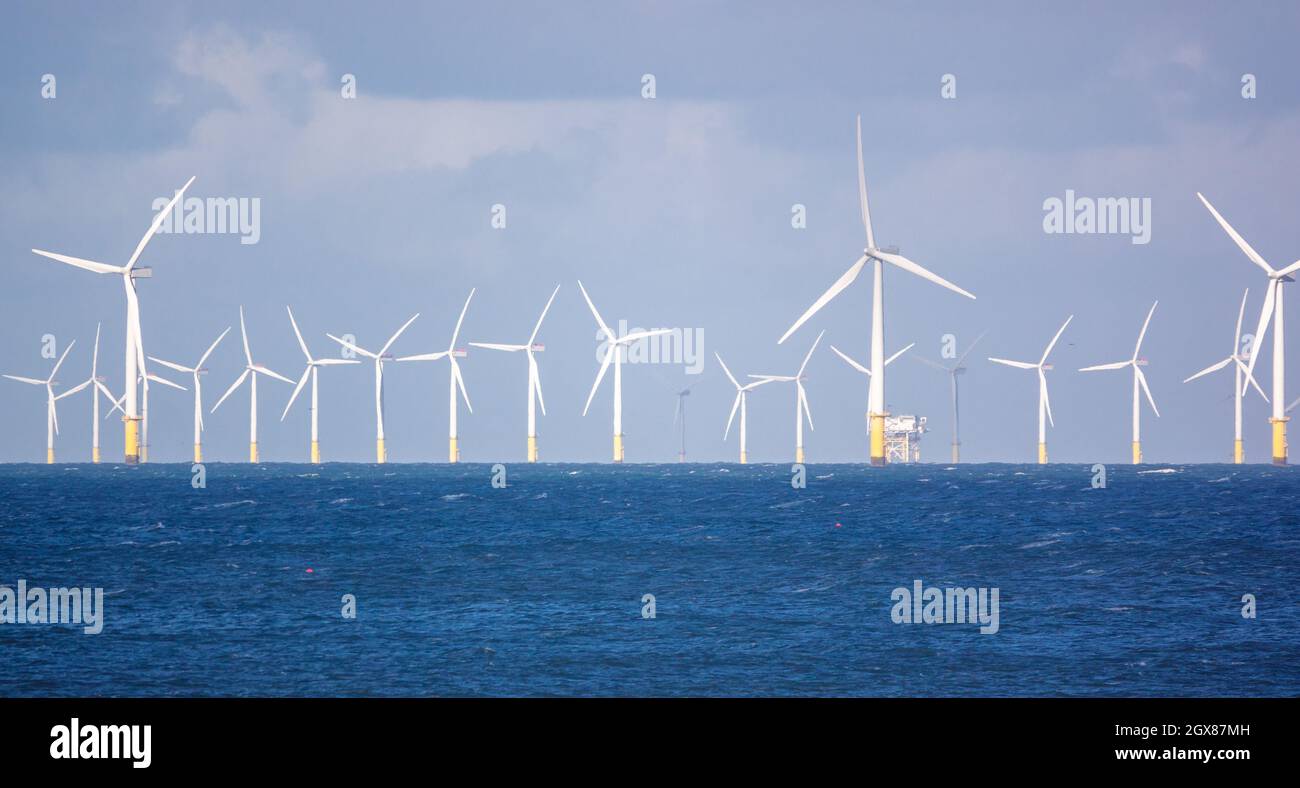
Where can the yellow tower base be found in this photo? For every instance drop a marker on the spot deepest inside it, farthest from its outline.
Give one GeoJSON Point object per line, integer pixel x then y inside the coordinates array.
{"type": "Point", "coordinates": [877, 438]}
{"type": "Point", "coordinates": [315, 452]}
{"type": "Point", "coordinates": [1238, 452]}
{"type": "Point", "coordinates": [252, 452]}
{"type": "Point", "coordinates": [532, 448]}
{"type": "Point", "coordinates": [94, 454]}
{"type": "Point", "coordinates": [49, 456]}
{"type": "Point", "coordinates": [144, 454]}
{"type": "Point", "coordinates": [381, 452]}
{"type": "Point", "coordinates": [744, 458]}
{"type": "Point", "coordinates": [132, 440]}
{"type": "Point", "coordinates": [798, 454]}
{"type": "Point", "coordinates": [1279, 440]}
{"type": "Point", "coordinates": [618, 448]}
{"type": "Point", "coordinates": [198, 452]}
{"type": "Point", "coordinates": [1042, 454]}
{"type": "Point", "coordinates": [956, 454]}
{"type": "Point", "coordinates": [1137, 452]}
{"type": "Point", "coordinates": [453, 450]}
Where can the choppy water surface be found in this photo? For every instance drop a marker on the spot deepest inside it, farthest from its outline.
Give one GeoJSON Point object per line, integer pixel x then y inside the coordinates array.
{"type": "Point", "coordinates": [759, 588]}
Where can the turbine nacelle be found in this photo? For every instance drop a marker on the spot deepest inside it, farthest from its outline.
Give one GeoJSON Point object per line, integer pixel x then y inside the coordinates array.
{"type": "Point", "coordinates": [142, 272]}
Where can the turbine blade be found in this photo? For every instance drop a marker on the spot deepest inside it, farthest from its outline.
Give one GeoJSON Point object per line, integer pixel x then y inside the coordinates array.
{"type": "Point", "coordinates": [862, 192]}
{"type": "Point", "coordinates": [302, 381]}
{"type": "Point", "coordinates": [1143, 380]}
{"type": "Point", "coordinates": [269, 373]}
{"type": "Point", "coordinates": [1142, 335]}
{"type": "Point", "coordinates": [171, 365]}
{"type": "Point", "coordinates": [730, 376]}
{"type": "Point", "coordinates": [963, 356]}
{"type": "Point", "coordinates": [157, 222]}
{"type": "Point", "coordinates": [1241, 314]}
{"type": "Point", "coordinates": [599, 319]}
{"type": "Point", "coordinates": [1042, 392]}
{"type": "Point", "coordinates": [230, 390]}
{"type": "Point", "coordinates": [911, 267]}
{"type": "Point", "coordinates": [353, 347]}
{"type": "Point", "coordinates": [211, 348]}
{"type": "Point", "coordinates": [844, 281]}
{"type": "Point", "coordinates": [424, 356]}
{"type": "Point", "coordinates": [1016, 364]}
{"type": "Point", "coordinates": [735, 405]}
{"type": "Point", "coordinates": [54, 412]}
{"type": "Point", "coordinates": [604, 365]}
{"type": "Point", "coordinates": [635, 335]}
{"type": "Point", "coordinates": [459, 320]}
{"type": "Point", "coordinates": [899, 353]}
{"type": "Point", "coordinates": [810, 352]}
{"type": "Point", "coordinates": [1237, 239]}
{"type": "Point", "coordinates": [59, 363]}
{"type": "Point", "coordinates": [1099, 367]}
{"type": "Point", "coordinates": [298, 334]}
{"type": "Point", "coordinates": [1052, 344]}
{"type": "Point", "coordinates": [72, 390]}
{"type": "Point", "coordinates": [1250, 379]}
{"type": "Point", "coordinates": [851, 362]}
{"type": "Point", "coordinates": [394, 337]}
{"type": "Point", "coordinates": [1265, 315]}
{"type": "Point", "coordinates": [460, 383]}
{"type": "Point", "coordinates": [803, 403]}
{"type": "Point", "coordinates": [537, 381]}
{"type": "Point", "coordinates": [32, 381]}
{"type": "Point", "coordinates": [1212, 368]}
{"type": "Point", "coordinates": [89, 265]}
{"type": "Point", "coordinates": [333, 362]}
{"type": "Point", "coordinates": [545, 309]}
{"type": "Point", "coordinates": [243, 331]}
{"type": "Point", "coordinates": [499, 346]}
{"type": "Point", "coordinates": [165, 382]}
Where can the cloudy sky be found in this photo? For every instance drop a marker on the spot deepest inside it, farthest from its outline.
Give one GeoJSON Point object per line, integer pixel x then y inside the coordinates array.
{"type": "Point", "coordinates": [674, 212]}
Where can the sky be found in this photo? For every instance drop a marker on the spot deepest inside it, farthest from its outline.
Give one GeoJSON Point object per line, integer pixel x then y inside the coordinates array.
{"type": "Point", "coordinates": [674, 211]}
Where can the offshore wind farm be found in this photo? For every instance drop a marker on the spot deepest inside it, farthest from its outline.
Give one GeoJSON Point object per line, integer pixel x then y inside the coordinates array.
{"type": "Point", "coordinates": [508, 345]}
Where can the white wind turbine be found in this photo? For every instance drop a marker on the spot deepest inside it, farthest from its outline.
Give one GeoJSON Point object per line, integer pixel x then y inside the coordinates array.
{"type": "Point", "coordinates": [614, 352]}
{"type": "Point", "coordinates": [145, 377]}
{"type": "Point", "coordinates": [741, 401]}
{"type": "Point", "coordinates": [197, 370]}
{"type": "Point", "coordinates": [1139, 382]}
{"type": "Point", "coordinates": [534, 379]}
{"type": "Point", "coordinates": [801, 398]}
{"type": "Point", "coordinates": [51, 417]}
{"type": "Point", "coordinates": [129, 274]}
{"type": "Point", "coordinates": [867, 370]}
{"type": "Point", "coordinates": [1272, 312]}
{"type": "Point", "coordinates": [455, 380]}
{"type": "Point", "coordinates": [953, 372]}
{"type": "Point", "coordinates": [381, 450]}
{"type": "Point", "coordinates": [876, 399]}
{"type": "Point", "coordinates": [679, 417]}
{"type": "Point", "coordinates": [1237, 359]}
{"type": "Point", "coordinates": [97, 381]}
{"type": "Point", "coordinates": [251, 370]}
{"type": "Point", "coordinates": [312, 370]}
{"type": "Point", "coordinates": [1044, 404]}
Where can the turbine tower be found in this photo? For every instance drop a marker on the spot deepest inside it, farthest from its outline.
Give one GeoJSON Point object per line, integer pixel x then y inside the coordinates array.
{"type": "Point", "coordinates": [97, 381]}
{"type": "Point", "coordinates": [534, 378]}
{"type": "Point", "coordinates": [145, 377]}
{"type": "Point", "coordinates": [51, 417]}
{"type": "Point", "coordinates": [1044, 404]}
{"type": "Point", "coordinates": [1238, 360]}
{"type": "Point", "coordinates": [129, 274]}
{"type": "Point", "coordinates": [251, 370]}
{"type": "Point", "coordinates": [953, 372]}
{"type": "Point", "coordinates": [455, 380]}
{"type": "Point", "coordinates": [878, 258]}
{"type": "Point", "coordinates": [741, 401]}
{"type": "Point", "coordinates": [197, 370]}
{"type": "Point", "coordinates": [381, 451]}
{"type": "Point", "coordinates": [312, 370]}
{"type": "Point", "coordinates": [614, 351]}
{"type": "Point", "coordinates": [1272, 312]}
{"type": "Point", "coordinates": [867, 370]}
{"type": "Point", "coordinates": [801, 398]}
{"type": "Point", "coordinates": [679, 413]}
{"type": "Point", "coordinates": [1139, 382]}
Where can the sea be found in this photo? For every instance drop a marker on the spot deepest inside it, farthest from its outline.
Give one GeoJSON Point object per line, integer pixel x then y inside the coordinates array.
{"type": "Point", "coordinates": [654, 580]}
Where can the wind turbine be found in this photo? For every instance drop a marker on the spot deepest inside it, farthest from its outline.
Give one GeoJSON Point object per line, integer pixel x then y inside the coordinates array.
{"type": "Point", "coordinates": [98, 382]}
{"type": "Point", "coordinates": [1044, 404]}
{"type": "Point", "coordinates": [679, 414]}
{"type": "Point", "coordinates": [1235, 357]}
{"type": "Point", "coordinates": [197, 370]}
{"type": "Point", "coordinates": [801, 398]}
{"type": "Point", "coordinates": [455, 380]}
{"type": "Point", "coordinates": [381, 452]}
{"type": "Point", "coordinates": [867, 370]}
{"type": "Point", "coordinates": [251, 370]}
{"type": "Point", "coordinates": [953, 372]}
{"type": "Point", "coordinates": [614, 351]}
{"type": "Point", "coordinates": [741, 401]}
{"type": "Point", "coordinates": [1272, 311]}
{"type": "Point", "coordinates": [534, 379]}
{"type": "Point", "coordinates": [51, 417]}
{"type": "Point", "coordinates": [312, 370]}
{"type": "Point", "coordinates": [145, 377]}
{"type": "Point", "coordinates": [876, 400]}
{"type": "Point", "coordinates": [1139, 382]}
{"type": "Point", "coordinates": [129, 274]}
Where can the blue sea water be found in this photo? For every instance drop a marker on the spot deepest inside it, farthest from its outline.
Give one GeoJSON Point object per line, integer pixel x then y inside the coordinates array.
{"type": "Point", "coordinates": [760, 588]}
